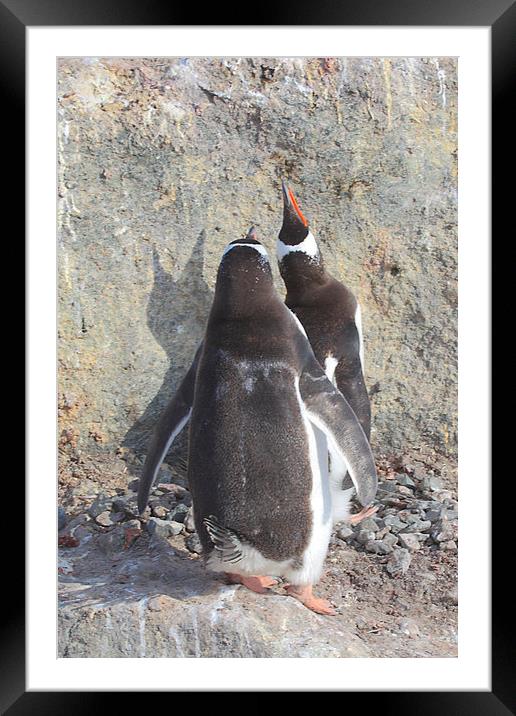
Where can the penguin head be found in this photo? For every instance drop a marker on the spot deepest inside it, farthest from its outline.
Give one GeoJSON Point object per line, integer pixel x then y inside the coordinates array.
{"type": "Point", "coordinates": [297, 251]}
{"type": "Point", "coordinates": [295, 226]}
{"type": "Point", "coordinates": [244, 272]}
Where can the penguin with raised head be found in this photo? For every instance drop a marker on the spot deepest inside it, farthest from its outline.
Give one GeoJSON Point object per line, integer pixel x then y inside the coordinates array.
{"type": "Point", "coordinates": [262, 413]}
{"type": "Point", "coordinates": [331, 317]}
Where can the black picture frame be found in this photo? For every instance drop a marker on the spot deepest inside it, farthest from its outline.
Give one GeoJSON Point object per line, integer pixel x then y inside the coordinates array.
{"type": "Point", "coordinates": [500, 16]}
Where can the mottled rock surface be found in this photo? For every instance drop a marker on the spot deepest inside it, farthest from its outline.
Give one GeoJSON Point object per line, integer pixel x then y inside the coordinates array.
{"type": "Point", "coordinates": [163, 161]}
{"type": "Point", "coordinates": [133, 587]}
{"type": "Point", "coordinates": [152, 601]}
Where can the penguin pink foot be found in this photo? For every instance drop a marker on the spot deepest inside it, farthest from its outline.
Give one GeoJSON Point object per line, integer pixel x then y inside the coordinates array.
{"type": "Point", "coordinates": [256, 583]}
{"type": "Point", "coordinates": [366, 512]}
{"type": "Point", "coordinates": [306, 597]}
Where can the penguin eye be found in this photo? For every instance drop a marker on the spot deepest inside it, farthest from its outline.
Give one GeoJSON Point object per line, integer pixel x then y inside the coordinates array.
{"type": "Point", "coordinates": [296, 207]}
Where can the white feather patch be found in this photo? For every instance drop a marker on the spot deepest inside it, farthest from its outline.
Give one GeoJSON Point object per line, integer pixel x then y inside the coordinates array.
{"type": "Point", "coordinates": [358, 323]}
{"type": "Point", "coordinates": [308, 247]}
{"type": "Point", "coordinates": [258, 247]}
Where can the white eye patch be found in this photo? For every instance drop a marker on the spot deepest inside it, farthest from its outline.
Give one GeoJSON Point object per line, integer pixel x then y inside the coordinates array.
{"type": "Point", "coordinates": [308, 247]}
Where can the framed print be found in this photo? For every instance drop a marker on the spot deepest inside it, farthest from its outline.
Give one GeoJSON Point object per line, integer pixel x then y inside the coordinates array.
{"type": "Point", "coordinates": [153, 147]}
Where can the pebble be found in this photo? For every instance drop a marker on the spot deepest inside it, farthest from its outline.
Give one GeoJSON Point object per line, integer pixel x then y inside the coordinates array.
{"type": "Point", "coordinates": [409, 627]}
{"type": "Point", "coordinates": [109, 542]}
{"type": "Point", "coordinates": [193, 543]}
{"type": "Point", "coordinates": [178, 513]}
{"type": "Point", "coordinates": [369, 524]}
{"type": "Point", "coordinates": [189, 521]}
{"type": "Point", "coordinates": [379, 547]}
{"type": "Point", "coordinates": [159, 511]}
{"type": "Point", "coordinates": [451, 546]}
{"type": "Point", "coordinates": [344, 532]}
{"type": "Point", "coordinates": [405, 491]}
{"type": "Point", "coordinates": [452, 596]}
{"type": "Point", "coordinates": [394, 523]}
{"type": "Point", "coordinates": [99, 505]}
{"type": "Point", "coordinates": [364, 536]}
{"type": "Point", "coordinates": [61, 518]}
{"type": "Point", "coordinates": [410, 541]}
{"type": "Point", "coordinates": [391, 539]}
{"type": "Point", "coordinates": [382, 533]}
{"type": "Point", "coordinates": [417, 525]}
{"type": "Point", "coordinates": [387, 487]}
{"type": "Point", "coordinates": [127, 505]}
{"type": "Point", "coordinates": [444, 495]}
{"type": "Point", "coordinates": [398, 562]}
{"type": "Point", "coordinates": [104, 519]}
{"type": "Point", "coordinates": [431, 483]}
{"type": "Point", "coordinates": [405, 480]}
{"type": "Point", "coordinates": [163, 528]}
{"type": "Point", "coordinates": [444, 531]}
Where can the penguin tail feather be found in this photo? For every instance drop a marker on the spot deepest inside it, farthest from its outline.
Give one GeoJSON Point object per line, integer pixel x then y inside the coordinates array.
{"type": "Point", "coordinates": [227, 543]}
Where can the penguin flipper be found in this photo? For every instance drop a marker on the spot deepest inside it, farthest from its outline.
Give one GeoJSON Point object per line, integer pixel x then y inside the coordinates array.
{"type": "Point", "coordinates": [330, 412]}
{"type": "Point", "coordinates": [172, 421]}
{"type": "Point", "coordinates": [227, 543]}
{"type": "Point", "coordinates": [349, 379]}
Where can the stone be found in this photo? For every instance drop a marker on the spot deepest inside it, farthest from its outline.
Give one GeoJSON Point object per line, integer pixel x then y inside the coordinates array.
{"type": "Point", "coordinates": [178, 513]}
{"type": "Point", "coordinates": [394, 523]}
{"type": "Point", "coordinates": [364, 536]}
{"type": "Point", "coordinates": [193, 543]}
{"type": "Point", "coordinates": [398, 562]}
{"type": "Point", "coordinates": [61, 518]}
{"type": "Point", "coordinates": [417, 525]}
{"type": "Point", "coordinates": [431, 483]}
{"type": "Point", "coordinates": [189, 521]}
{"type": "Point", "coordinates": [102, 503]}
{"type": "Point", "coordinates": [389, 486]}
{"type": "Point", "coordinates": [345, 532]}
{"type": "Point", "coordinates": [104, 519]}
{"type": "Point", "coordinates": [379, 547]}
{"type": "Point", "coordinates": [129, 507]}
{"type": "Point", "coordinates": [410, 541]}
{"type": "Point", "coordinates": [159, 511]}
{"type": "Point", "coordinates": [369, 524]}
{"type": "Point", "coordinates": [163, 528]}
{"type": "Point", "coordinates": [110, 542]}
{"type": "Point", "coordinates": [444, 530]}
{"type": "Point", "coordinates": [405, 480]}
{"type": "Point", "coordinates": [409, 627]}
{"type": "Point", "coordinates": [390, 539]}
{"type": "Point", "coordinates": [452, 596]}
{"type": "Point", "coordinates": [406, 491]}
{"type": "Point", "coordinates": [450, 546]}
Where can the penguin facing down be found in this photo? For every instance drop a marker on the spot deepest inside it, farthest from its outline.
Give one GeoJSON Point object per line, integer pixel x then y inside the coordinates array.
{"type": "Point", "coordinates": [330, 315]}
{"type": "Point", "coordinates": [262, 413]}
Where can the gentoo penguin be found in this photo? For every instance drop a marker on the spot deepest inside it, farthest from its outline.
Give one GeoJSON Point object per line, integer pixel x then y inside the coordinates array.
{"type": "Point", "coordinates": [262, 413]}
{"type": "Point", "coordinates": [330, 315]}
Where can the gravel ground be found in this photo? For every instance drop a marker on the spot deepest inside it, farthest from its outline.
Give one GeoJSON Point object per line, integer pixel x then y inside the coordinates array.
{"type": "Point", "coordinates": [394, 576]}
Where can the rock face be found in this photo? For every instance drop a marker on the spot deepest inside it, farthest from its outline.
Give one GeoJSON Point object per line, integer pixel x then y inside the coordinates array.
{"type": "Point", "coordinates": [163, 161]}
{"type": "Point", "coordinates": [151, 601]}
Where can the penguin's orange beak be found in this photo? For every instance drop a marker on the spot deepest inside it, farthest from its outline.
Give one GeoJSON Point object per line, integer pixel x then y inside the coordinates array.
{"type": "Point", "coordinates": [290, 202]}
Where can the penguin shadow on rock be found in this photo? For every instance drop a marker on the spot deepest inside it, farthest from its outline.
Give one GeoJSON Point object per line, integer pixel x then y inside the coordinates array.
{"type": "Point", "coordinates": [177, 312]}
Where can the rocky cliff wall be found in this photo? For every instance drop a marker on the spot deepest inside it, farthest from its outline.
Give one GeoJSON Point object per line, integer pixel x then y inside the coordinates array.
{"type": "Point", "coordinates": [163, 161]}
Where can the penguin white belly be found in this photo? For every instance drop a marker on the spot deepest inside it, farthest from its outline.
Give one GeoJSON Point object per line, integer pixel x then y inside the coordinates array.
{"type": "Point", "coordinates": [312, 560]}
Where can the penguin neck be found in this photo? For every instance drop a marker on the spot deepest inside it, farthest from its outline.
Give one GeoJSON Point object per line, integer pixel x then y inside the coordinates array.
{"type": "Point", "coordinates": [235, 299]}
{"type": "Point", "coordinates": [300, 262]}
{"type": "Point", "coordinates": [301, 274]}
